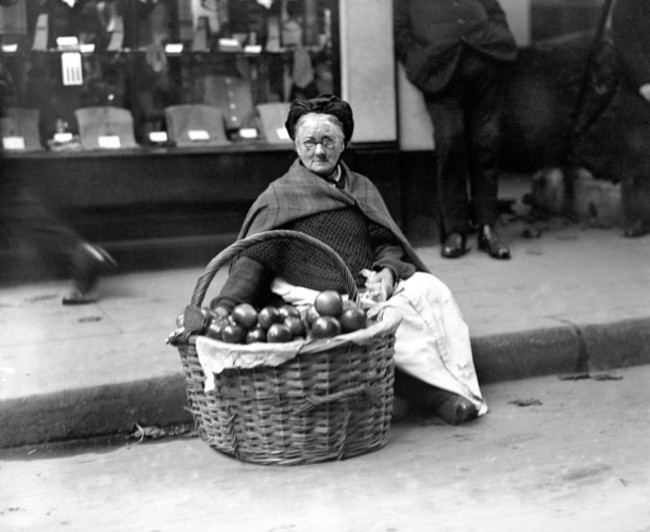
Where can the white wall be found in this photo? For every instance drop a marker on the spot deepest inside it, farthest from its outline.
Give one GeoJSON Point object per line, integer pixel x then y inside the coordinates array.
{"type": "Point", "coordinates": [518, 14]}
{"type": "Point", "coordinates": [415, 128]}
{"type": "Point", "coordinates": [368, 68]}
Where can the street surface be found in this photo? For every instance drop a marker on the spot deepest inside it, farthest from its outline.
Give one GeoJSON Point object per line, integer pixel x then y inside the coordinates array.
{"type": "Point", "coordinates": [551, 455]}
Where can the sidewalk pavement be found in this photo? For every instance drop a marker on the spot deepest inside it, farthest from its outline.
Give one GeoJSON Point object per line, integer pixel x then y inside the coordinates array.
{"type": "Point", "coordinates": [572, 299]}
{"type": "Point", "coordinates": [551, 455]}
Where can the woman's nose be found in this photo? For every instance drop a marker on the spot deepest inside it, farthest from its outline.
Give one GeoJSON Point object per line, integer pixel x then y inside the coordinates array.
{"type": "Point", "coordinates": [319, 149]}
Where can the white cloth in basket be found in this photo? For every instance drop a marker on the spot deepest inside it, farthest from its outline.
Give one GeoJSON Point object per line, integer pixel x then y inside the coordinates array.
{"type": "Point", "coordinates": [215, 356]}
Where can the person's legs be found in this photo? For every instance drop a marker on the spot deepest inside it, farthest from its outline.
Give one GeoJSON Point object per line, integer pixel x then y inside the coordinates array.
{"type": "Point", "coordinates": [483, 107]}
{"type": "Point", "coordinates": [29, 218]}
{"type": "Point", "coordinates": [632, 225]}
{"type": "Point", "coordinates": [59, 244]}
{"type": "Point", "coordinates": [484, 104]}
{"type": "Point", "coordinates": [635, 168]}
{"type": "Point", "coordinates": [447, 117]}
{"type": "Point", "coordinates": [89, 263]}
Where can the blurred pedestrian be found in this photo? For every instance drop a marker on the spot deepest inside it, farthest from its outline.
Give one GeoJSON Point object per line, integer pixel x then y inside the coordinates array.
{"type": "Point", "coordinates": [25, 215]}
{"type": "Point", "coordinates": [455, 52]}
{"type": "Point", "coordinates": [631, 35]}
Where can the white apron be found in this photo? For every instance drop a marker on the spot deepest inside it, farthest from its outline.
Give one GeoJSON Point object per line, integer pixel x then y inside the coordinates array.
{"type": "Point", "coordinates": [432, 343]}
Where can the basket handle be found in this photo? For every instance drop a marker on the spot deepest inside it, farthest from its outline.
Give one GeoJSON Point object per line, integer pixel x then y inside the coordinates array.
{"type": "Point", "coordinates": [242, 244]}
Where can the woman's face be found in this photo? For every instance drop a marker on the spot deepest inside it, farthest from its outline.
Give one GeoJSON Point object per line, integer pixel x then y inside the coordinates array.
{"type": "Point", "coordinates": [319, 141]}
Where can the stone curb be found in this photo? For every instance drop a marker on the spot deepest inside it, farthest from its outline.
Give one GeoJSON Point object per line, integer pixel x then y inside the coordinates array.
{"type": "Point", "coordinates": [85, 412]}
{"type": "Point", "coordinates": [111, 409]}
{"type": "Point", "coordinates": [618, 344]}
{"type": "Point", "coordinates": [526, 354]}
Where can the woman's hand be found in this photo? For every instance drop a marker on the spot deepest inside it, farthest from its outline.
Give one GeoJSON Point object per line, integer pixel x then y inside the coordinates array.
{"type": "Point", "coordinates": [386, 278]}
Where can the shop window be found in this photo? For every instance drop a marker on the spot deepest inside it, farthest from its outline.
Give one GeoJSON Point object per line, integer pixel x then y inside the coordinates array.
{"type": "Point", "coordinates": [150, 56]}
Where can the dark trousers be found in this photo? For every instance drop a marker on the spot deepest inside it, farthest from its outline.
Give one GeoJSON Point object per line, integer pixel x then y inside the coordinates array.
{"type": "Point", "coordinates": [466, 117]}
{"type": "Point", "coordinates": [634, 139]}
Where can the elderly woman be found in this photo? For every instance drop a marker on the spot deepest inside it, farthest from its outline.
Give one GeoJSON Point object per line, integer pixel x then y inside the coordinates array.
{"type": "Point", "coordinates": [322, 197]}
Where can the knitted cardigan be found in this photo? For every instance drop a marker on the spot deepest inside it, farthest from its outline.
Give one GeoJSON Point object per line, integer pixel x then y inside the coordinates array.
{"type": "Point", "coordinates": [351, 217]}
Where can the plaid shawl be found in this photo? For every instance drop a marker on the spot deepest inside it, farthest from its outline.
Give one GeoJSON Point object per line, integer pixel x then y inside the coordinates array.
{"type": "Point", "coordinates": [301, 193]}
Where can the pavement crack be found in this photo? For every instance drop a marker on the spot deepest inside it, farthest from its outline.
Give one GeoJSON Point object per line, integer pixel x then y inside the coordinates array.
{"type": "Point", "coordinates": [582, 360]}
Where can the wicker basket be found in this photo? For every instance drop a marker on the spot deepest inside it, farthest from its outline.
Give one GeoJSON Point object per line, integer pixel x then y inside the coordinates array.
{"type": "Point", "coordinates": [332, 401]}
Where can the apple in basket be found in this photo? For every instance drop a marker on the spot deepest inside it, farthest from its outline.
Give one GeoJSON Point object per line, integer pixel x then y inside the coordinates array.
{"type": "Point", "coordinates": [234, 333]}
{"type": "Point", "coordinates": [353, 318]}
{"type": "Point", "coordinates": [295, 325]}
{"type": "Point", "coordinates": [256, 335]}
{"type": "Point", "coordinates": [215, 328]}
{"type": "Point", "coordinates": [246, 325]}
{"type": "Point", "coordinates": [325, 327]}
{"type": "Point", "coordinates": [245, 315]}
{"type": "Point", "coordinates": [288, 311]}
{"type": "Point", "coordinates": [329, 303]}
{"type": "Point", "coordinates": [330, 315]}
{"type": "Point", "coordinates": [279, 332]}
{"type": "Point", "coordinates": [311, 315]}
{"type": "Point", "coordinates": [268, 316]}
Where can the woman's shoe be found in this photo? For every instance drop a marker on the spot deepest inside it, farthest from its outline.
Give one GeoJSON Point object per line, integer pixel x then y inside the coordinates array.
{"type": "Point", "coordinates": [488, 242]}
{"type": "Point", "coordinates": [457, 410]}
{"type": "Point", "coordinates": [452, 408]}
{"type": "Point", "coordinates": [454, 246]}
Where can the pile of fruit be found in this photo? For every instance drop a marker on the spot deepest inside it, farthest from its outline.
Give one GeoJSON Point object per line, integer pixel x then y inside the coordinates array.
{"type": "Point", "coordinates": [329, 316]}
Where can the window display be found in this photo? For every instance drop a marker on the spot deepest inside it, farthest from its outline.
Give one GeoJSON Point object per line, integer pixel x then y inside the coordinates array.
{"type": "Point", "coordinates": [157, 59]}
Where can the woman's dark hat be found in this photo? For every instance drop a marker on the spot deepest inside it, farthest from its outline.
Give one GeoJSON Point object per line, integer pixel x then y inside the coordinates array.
{"type": "Point", "coordinates": [323, 104]}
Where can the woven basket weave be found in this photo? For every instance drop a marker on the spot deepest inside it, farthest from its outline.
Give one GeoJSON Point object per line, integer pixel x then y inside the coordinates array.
{"type": "Point", "coordinates": [332, 401]}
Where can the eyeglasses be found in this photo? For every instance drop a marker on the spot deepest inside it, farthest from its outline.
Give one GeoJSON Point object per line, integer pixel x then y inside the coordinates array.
{"type": "Point", "coordinates": [327, 142]}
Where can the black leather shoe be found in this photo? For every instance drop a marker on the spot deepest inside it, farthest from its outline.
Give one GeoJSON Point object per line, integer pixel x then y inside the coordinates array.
{"type": "Point", "coordinates": [454, 246]}
{"type": "Point", "coordinates": [488, 242]}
